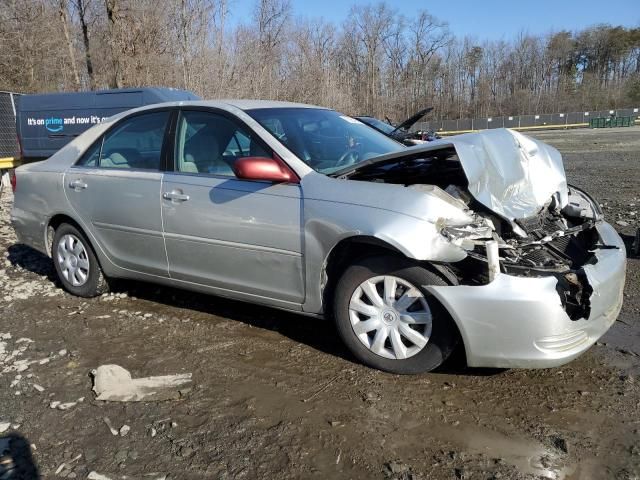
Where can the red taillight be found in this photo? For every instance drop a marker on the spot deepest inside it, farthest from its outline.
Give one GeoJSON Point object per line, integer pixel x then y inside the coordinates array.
{"type": "Point", "coordinates": [14, 180]}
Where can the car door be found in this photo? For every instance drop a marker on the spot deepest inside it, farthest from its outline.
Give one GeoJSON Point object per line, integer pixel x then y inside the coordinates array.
{"type": "Point", "coordinates": [115, 190]}
{"type": "Point", "coordinates": [224, 232]}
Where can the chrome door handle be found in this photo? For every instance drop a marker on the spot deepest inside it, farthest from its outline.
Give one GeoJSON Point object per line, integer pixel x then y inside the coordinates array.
{"type": "Point", "coordinates": [175, 196]}
{"type": "Point", "coordinates": [78, 185]}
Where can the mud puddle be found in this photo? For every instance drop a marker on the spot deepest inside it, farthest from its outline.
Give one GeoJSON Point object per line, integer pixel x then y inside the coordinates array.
{"type": "Point", "coordinates": [528, 456]}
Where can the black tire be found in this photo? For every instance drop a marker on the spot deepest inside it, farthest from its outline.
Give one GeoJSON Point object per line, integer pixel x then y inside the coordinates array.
{"type": "Point", "coordinates": [444, 334]}
{"type": "Point", "coordinates": [95, 283]}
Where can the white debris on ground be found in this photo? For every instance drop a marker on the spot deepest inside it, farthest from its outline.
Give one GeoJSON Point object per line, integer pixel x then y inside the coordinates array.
{"type": "Point", "coordinates": [9, 356]}
{"type": "Point", "coordinates": [57, 405]}
{"type": "Point", "coordinates": [11, 361]}
{"type": "Point", "coordinates": [67, 465]}
{"type": "Point", "coordinates": [98, 476]}
{"type": "Point", "coordinates": [624, 214]}
{"type": "Point", "coordinates": [113, 431]}
{"type": "Point", "coordinates": [19, 259]}
{"type": "Point", "coordinates": [114, 383]}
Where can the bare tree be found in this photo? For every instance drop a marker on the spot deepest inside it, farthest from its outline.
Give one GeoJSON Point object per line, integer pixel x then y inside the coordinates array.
{"type": "Point", "coordinates": [372, 26]}
{"type": "Point", "coordinates": [378, 61]}
{"type": "Point", "coordinates": [63, 12]}
{"type": "Point", "coordinates": [82, 7]}
{"type": "Point", "coordinates": [271, 18]}
{"type": "Point", "coordinates": [192, 29]}
{"type": "Point", "coordinates": [113, 20]}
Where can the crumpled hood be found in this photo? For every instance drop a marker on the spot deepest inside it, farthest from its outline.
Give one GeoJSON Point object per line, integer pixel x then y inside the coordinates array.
{"type": "Point", "coordinates": [511, 174]}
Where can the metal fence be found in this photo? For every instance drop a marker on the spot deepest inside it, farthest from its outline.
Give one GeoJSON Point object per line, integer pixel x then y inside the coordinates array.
{"type": "Point", "coordinates": [8, 136]}
{"type": "Point", "coordinates": [542, 120]}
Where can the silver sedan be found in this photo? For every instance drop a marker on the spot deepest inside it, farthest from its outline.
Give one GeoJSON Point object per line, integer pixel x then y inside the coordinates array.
{"type": "Point", "coordinates": [475, 240]}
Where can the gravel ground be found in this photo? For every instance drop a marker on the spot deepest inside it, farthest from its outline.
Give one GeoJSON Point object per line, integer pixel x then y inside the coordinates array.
{"type": "Point", "coordinates": [275, 395]}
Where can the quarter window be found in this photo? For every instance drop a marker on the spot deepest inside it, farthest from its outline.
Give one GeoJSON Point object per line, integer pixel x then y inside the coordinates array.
{"type": "Point", "coordinates": [210, 143]}
{"type": "Point", "coordinates": [92, 156]}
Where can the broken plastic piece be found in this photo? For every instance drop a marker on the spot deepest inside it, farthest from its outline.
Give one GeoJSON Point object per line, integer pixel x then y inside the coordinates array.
{"type": "Point", "coordinates": [114, 383]}
{"type": "Point", "coordinates": [493, 258]}
{"type": "Point", "coordinates": [97, 476]}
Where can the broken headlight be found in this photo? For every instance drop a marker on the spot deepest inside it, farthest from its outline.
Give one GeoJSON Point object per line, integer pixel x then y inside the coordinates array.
{"type": "Point", "coordinates": [468, 235]}
{"type": "Point", "coordinates": [582, 205]}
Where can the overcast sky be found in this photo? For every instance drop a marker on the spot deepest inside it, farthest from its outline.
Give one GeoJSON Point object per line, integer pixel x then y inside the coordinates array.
{"type": "Point", "coordinates": [488, 19]}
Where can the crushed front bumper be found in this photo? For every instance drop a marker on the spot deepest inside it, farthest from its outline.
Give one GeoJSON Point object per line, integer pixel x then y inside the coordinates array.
{"type": "Point", "coordinates": [520, 322]}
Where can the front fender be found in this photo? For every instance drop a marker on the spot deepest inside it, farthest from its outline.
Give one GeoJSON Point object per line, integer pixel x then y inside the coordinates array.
{"type": "Point", "coordinates": [330, 223]}
{"type": "Point", "coordinates": [408, 219]}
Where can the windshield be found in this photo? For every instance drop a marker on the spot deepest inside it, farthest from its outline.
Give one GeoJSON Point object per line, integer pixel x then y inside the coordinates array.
{"type": "Point", "coordinates": [325, 140]}
{"type": "Point", "coordinates": [379, 124]}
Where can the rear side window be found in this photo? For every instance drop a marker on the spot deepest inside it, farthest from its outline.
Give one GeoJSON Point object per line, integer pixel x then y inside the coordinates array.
{"type": "Point", "coordinates": [134, 143]}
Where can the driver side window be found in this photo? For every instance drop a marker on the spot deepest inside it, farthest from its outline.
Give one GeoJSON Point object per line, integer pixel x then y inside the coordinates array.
{"type": "Point", "coordinates": [209, 143]}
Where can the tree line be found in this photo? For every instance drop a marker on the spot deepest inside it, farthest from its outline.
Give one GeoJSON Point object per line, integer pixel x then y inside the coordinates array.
{"type": "Point", "coordinates": [377, 61]}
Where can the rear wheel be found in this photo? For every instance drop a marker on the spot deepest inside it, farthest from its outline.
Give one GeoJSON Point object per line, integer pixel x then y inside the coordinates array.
{"type": "Point", "coordinates": [76, 264]}
{"type": "Point", "coordinates": [387, 318]}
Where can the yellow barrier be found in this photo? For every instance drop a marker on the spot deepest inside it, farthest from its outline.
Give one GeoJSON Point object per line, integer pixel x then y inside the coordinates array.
{"type": "Point", "coordinates": [535, 127]}
{"type": "Point", "coordinates": [9, 162]}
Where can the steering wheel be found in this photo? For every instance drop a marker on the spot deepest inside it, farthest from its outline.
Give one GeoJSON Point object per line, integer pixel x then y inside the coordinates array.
{"type": "Point", "coordinates": [349, 157]}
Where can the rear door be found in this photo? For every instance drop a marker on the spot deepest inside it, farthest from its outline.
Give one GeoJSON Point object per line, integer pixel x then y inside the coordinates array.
{"type": "Point", "coordinates": [224, 232]}
{"type": "Point", "coordinates": [115, 190]}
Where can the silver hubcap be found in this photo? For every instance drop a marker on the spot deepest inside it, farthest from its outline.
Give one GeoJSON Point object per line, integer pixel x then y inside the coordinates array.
{"type": "Point", "coordinates": [391, 317]}
{"type": "Point", "coordinates": [73, 260]}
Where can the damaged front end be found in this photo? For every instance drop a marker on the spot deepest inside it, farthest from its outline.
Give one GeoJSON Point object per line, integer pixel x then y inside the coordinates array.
{"type": "Point", "coordinates": [526, 221]}
{"type": "Point", "coordinates": [556, 242]}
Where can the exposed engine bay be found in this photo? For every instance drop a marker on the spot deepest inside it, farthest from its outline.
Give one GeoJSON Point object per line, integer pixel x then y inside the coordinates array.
{"type": "Point", "coordinates": [557, 240]}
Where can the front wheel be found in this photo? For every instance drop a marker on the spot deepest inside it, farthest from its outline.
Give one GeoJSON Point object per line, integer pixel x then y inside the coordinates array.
{"type": "Point", "coordinates": [388, 320]}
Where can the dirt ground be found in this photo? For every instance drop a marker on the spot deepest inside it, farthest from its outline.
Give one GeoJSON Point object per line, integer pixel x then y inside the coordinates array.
{"type": "Point", "coordinates": [275, 395]}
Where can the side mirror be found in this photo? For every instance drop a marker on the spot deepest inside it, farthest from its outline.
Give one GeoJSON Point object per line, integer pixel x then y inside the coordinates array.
{"type": "Point", "coordinates": [264, 168]}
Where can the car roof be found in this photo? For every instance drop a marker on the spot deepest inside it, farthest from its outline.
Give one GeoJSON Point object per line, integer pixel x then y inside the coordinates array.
{"type": "Point", "coordinates": [246, 104]}
{"type": "Point", "coordinates": [228, 105]}
{"type": "Point", "coordinates": [122, 99]}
